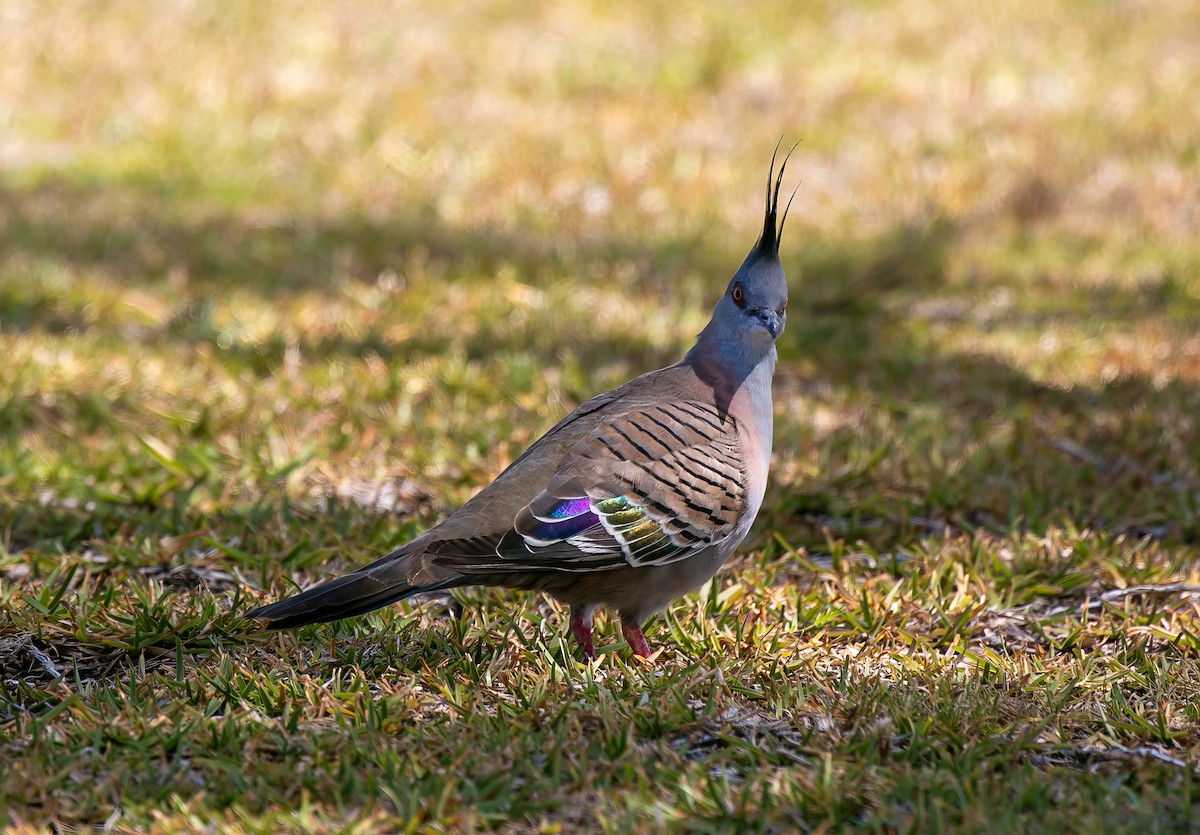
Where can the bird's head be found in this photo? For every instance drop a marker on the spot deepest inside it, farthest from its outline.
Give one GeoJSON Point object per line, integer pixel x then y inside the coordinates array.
{"type": "Point", "coordinates": [755, 302]}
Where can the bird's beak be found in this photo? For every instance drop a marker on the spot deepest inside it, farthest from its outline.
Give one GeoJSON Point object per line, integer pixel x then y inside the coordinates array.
{"type": "Point", "coordinates": [771, 321]}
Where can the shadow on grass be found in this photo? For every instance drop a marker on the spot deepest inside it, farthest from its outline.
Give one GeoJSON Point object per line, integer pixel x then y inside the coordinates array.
{"type": "Point", "coordinates": [1121, 456]}
{"type": "Point", "coordinates": [144, 236]}
{"type": "Point", "coordinates": [961, 438]}
{"type": "Point", "coordinates": [965, 440]}
{"type": "Point", "coordinates": [143, 239]}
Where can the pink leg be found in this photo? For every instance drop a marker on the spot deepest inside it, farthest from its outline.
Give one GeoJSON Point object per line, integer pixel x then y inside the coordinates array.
{"type": "Point", "coordinates": [637, 641]}
{"type": "Point", "coordinates": [581, 628]}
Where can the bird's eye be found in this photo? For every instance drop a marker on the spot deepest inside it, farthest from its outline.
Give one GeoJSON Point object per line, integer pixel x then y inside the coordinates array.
{"type": "Point", "coordinates": [739, 295]}
{"type": "Point", "coordinates": [783, 307]}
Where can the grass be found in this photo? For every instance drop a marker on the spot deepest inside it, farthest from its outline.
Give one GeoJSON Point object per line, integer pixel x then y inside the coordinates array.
{"type": "Point", "coordinates": [281, 284]}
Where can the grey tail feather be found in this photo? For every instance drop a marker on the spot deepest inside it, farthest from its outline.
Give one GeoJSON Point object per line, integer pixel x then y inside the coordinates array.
{"type": "Point", "coordinates": [342, 597]}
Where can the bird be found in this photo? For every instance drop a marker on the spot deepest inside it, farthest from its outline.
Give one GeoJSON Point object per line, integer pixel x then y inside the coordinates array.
{"type": "Point", "coordinates": [631, 501]}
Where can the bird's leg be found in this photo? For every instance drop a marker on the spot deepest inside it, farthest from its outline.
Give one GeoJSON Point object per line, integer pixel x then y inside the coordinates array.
{"type": "Point", "coordinates": [581, 628]}
{"type": "Point", "coordinates": [637, 641]}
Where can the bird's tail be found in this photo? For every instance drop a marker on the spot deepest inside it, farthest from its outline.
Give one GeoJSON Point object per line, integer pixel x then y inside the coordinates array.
{"type": "Point", "coordinates": [397, 575]}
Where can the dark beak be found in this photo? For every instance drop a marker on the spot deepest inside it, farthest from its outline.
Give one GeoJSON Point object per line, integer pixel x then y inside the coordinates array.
{"type": "Point", "coordinates": [771, 321]}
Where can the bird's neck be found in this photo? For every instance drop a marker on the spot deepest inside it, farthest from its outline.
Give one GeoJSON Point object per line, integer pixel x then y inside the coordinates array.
{"type": "Point", "coordinates": [738, 358]}
{"type": "Point", "coordinates": [733, 365]}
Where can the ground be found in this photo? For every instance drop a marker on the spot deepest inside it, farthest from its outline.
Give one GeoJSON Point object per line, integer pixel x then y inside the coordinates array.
{"type": "Point", "coordinates": [283, 283]}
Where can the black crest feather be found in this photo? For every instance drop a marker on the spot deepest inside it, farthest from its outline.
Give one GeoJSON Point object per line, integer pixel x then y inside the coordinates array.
{"type": "Point", "coordinates": [768, 241]}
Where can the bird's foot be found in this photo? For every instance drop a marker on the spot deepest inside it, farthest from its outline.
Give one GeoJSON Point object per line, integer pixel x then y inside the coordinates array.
{"type": "Point", "coordinates": [581, 628]}
{"type": "Point", "coordinates": [637, 641]}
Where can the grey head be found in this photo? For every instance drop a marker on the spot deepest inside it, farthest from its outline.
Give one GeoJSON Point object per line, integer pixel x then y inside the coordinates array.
{"type": "Point", "coordinates": [752, 313]}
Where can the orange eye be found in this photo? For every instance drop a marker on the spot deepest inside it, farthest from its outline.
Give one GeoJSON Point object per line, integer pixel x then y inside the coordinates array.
{"type": "Point", "coordinates": [784, 305]}
{"type": "Point", "coordinates": [739, 295]}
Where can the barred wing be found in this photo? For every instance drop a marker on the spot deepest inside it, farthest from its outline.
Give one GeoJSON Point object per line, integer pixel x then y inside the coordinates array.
{"type": "Point", "coordinates": [650, 487]}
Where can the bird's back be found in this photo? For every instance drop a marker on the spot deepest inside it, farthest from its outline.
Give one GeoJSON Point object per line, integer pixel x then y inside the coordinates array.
{"type": "Point", "coordinates": [495, 506]}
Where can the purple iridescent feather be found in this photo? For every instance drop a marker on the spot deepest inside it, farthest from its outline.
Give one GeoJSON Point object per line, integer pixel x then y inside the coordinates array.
{"type": "Point", "coordinates": [567, 509]}
{"type": "Point", "coordinates": [559, 530]}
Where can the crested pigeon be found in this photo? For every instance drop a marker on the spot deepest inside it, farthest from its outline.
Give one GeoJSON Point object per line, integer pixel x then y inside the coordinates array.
{"type": "Point", "coordinates": [632, 500]}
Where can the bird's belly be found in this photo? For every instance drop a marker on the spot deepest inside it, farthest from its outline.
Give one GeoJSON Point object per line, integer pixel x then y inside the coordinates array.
{"type": "Point", "coordinates": [637, 593]}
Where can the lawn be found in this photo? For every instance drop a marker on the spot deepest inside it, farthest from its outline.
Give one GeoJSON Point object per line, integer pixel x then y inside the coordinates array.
{"type": "Point", "coordinates": [281, 284]}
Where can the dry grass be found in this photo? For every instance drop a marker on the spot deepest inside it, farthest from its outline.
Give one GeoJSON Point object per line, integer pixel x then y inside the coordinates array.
{"type": "Point", "coordinates": [281, 283]}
